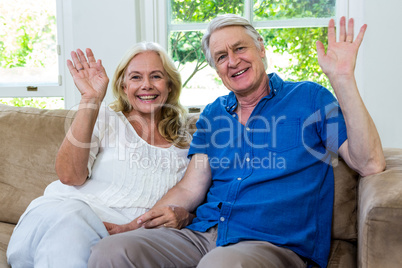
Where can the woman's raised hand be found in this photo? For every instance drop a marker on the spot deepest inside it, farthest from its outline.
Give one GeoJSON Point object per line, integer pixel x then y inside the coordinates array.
{"type": "Point", "coordinates": [89, 75]}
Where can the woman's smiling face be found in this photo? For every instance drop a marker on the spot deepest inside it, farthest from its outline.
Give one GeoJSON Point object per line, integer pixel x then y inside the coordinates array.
{"type": "Point", "coordinates": [146, 83]}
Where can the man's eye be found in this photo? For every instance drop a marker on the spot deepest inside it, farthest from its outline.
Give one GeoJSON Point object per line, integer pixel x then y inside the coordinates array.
{"type": "Point", "coordinates": [221, 58]}
{"type": "Point", "coordinates": [240, 48]}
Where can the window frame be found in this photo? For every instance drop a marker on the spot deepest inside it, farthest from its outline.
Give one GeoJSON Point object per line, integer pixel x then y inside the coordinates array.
{"type": "Point", "coordinates": [341, 9]}
{"type": "Point", "coordinates": [43, 89]}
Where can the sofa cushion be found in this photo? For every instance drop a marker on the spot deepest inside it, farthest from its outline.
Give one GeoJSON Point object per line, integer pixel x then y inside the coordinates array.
{"type": "Point", "coordinates": [29, 139]}
{"type": "Point", "coordinates": [343, 254]}
{"type": "Point", "coordinates": [5, 234]}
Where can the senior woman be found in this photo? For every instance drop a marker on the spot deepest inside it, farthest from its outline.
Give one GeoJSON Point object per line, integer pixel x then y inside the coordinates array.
{"type": "Point", "coordinates": [114, 164]}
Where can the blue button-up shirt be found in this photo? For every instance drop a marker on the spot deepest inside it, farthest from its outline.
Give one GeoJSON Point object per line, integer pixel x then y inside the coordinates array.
{"type": "Point", "coordinates": [271, 178]}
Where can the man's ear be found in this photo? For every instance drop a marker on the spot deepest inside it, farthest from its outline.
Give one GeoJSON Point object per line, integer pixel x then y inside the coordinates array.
{"type": "Point", "coordinates": [262, 48]}
{"type": "Point", "coordinates": [217, 72]}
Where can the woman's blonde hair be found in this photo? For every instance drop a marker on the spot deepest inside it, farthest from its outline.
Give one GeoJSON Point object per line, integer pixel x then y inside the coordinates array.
{"type": "Point", "coordinates": [173, 115]}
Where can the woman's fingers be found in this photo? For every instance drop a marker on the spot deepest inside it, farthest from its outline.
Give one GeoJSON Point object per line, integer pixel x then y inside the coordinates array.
{"type": "Point", "coordinates": [79, 60]}
{"type": "Point", "coordinates": [82, 59]}
{"type": "Point", "coordinates": [71, 68]}
{"type": "Point", "coordinates": [90, 56]}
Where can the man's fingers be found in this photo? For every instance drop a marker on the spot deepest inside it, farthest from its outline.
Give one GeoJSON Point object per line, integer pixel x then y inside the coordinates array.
{"type": "Point", "coordinates": [158, 217]}
{"type": "Point", "coordinates": [320, 49]}
{"type": "Point", "coordinates": [148, 216]}
{"type": "Point", "coordinates": [349, 37]}
{"type": "Point", "coordinates": [342, 29]}
{"type": "Point", "coordinates": [359, 38]}
{"type": "Point", "coordinates": [331, 32]}
{"type": "Point", "coordinates": [158, 222]}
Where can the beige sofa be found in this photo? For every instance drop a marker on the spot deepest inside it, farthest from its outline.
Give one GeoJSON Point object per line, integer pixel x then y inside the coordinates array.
{"type": "Point", "coordinates": [367, 225]}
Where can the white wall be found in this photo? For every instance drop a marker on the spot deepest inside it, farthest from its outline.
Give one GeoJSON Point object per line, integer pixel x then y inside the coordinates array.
{"type": "Point", "coordinates": [107, 27]}
{"type": "Point", "coordinates": [379, 71]}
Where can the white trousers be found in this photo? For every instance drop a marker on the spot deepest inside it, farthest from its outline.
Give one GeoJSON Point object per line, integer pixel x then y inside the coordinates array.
{"type": "Point", "coordinates": [57, 233]}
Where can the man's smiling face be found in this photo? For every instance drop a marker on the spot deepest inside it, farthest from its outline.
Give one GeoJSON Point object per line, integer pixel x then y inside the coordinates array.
{"type": "Point", "coordinates": [237, 59]}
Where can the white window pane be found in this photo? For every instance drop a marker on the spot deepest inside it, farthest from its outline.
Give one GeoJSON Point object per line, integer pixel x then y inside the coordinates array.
{"type": "Point", "coordinates": [201, 84]}
{"type": "Point", "coordinates": [28, 42]}
{"type": "Point", "coordinates": [203, 88]}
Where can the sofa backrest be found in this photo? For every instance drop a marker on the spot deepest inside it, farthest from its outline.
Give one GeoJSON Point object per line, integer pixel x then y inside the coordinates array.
{"type": "Point", "coordinates": [344, 222]}
{"type": "Point", "coordinates": [29, 141]}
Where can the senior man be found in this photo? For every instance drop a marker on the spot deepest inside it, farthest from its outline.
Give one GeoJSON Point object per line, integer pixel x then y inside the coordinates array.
{"type": "Point", "coordinates": [260, 172]}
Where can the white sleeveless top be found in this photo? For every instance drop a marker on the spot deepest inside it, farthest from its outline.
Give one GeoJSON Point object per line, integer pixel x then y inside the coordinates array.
{"type": "Point", "coordinates": [127, 175]}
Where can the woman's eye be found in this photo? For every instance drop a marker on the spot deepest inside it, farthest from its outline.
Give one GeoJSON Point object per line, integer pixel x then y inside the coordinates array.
{"type": "Point", "coordinates": [156, 77]}
{"type": "Point", "coordinates": [135, 77]}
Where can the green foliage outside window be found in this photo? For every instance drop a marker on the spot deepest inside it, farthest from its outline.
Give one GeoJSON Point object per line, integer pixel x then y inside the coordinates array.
{"type": "Point", "coordinates": [203, 11]}
{"type": "Point", "coordinates": [299, 43]}
{"type": "Point", "coordinates": [293, 9]}
{"type": "Point", "coordinates": [42, 103]}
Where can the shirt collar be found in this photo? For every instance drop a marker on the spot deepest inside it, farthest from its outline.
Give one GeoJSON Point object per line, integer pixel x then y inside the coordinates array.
{"type": "Point", "coordinates": [275, 86]}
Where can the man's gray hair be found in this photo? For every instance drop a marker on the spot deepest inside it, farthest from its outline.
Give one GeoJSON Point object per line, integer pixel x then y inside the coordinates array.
{"type": "Point", "coordinates": [230, 20]}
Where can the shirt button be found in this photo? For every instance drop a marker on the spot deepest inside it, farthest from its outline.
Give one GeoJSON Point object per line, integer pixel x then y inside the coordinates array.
{"type": "Point", "coordinates": [248, 159]}
{"type": "Point", "coordinates": [222, 219]}
{"type": "Point", "coordinates": [239, 179]}
{"type": "Point", "coordinates": [247, 128]}
{"type": "Point", "coordinates": [234, 115]}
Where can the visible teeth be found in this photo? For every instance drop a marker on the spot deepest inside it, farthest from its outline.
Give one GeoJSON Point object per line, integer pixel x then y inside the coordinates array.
{"type": "Point", "coordinates": [239, 73]}
{"type": "Point", "coordinates": [149, 97]}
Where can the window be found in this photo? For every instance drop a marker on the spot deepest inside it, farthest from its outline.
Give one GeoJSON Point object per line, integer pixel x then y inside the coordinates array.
{"type": "Point", "coordinates": [289, 28]}
{"type": "Point", "coordinates": [30, 63]}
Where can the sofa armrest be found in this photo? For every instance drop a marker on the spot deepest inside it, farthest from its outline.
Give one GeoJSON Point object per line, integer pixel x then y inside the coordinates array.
{"type": "Point", "coordinates": [380, 215]}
